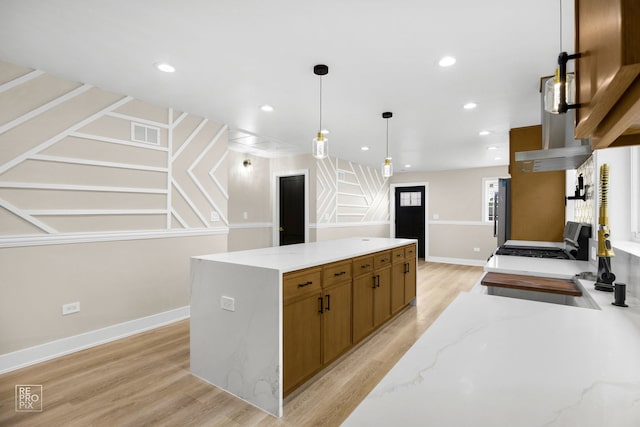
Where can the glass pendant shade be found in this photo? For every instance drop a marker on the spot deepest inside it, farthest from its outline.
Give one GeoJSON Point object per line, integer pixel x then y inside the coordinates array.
{"type": "Point", "coordinates": [320, 146]}
{"type": "Point", "coordinates": [387, 168]}
{"type": "Point", "coordinates": [552, 92]}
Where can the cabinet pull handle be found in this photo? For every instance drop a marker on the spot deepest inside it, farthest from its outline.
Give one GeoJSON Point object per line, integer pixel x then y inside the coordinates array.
{"type": "Point", "coordinates": [321, 311]}
{"type": "Point", "coordinates": [374, 282]}
{"type": "Point", "coordinates": [378, 281]}
{"type": "Point", "coordinates": [406, 267]}
{"type": "Point", "coordinates": [328, 302]}
{"type": "Point", "coordinates": [302, 285]}
{"type": "Point", "coordinates": [340, 274]}
{"type": "Point", "coordinates": [365, 266]}
{"type": "Point", "coordinates": [384, 260]}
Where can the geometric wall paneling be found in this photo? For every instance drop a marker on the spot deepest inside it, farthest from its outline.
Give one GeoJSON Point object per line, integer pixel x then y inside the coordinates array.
{"type": "Point", "coordinates": [349, 192]}
{"type": "Point", "coordinates": [326, 190]}
{"type": "Point", "coordinates": [144, 113]}
{"type": "Point", "coordinates": [69, 162]}
{"type": "Point", "coordinates": [13, 75]}
{"type": "Point", "coordinates": [195, 162]}
{"type": "Point", "coordinates": [21, 99]}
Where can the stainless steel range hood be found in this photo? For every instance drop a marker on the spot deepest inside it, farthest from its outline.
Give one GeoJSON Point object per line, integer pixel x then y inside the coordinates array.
{"type": "Point", "coordinates": [560, 151]}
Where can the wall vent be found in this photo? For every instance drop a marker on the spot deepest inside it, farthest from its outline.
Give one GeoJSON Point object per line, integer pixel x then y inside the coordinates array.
{"type": "Point", "coordinates": [144, 133]}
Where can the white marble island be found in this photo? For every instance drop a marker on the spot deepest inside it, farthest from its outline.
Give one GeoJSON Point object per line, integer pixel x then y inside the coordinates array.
{"type": "Point", "coordinates": [502, 362]}
{"type": "Point", "coordinates": [239, 348]}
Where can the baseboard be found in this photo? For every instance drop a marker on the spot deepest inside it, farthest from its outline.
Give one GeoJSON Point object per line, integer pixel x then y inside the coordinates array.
{"type": "Point", "coordinates": [459, 261]}
{"type": "Point", "coordinates": [40, 353]}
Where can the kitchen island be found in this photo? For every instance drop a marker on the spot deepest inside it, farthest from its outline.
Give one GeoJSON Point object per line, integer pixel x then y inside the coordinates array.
{"type": "Point", "coordinates": [237, 299]}
{"type": "Point", "coordinates": [497, 361]}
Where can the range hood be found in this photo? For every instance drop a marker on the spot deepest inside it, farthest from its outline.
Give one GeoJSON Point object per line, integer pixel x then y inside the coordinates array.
{"type": "Point", "coordinates": [560, 151]}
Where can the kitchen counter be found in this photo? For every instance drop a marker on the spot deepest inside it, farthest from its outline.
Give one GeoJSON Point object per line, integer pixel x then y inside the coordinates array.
{"type": "Point", "coordinates": [496, 361]}
{"type": "Point", "coordinates": [236, 335]}
{"type": "Point", "coordinates": [296, 257]}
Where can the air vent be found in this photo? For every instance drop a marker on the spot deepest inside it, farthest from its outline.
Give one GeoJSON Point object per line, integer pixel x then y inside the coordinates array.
{"type": "Point", "coordinates": [144, 133]}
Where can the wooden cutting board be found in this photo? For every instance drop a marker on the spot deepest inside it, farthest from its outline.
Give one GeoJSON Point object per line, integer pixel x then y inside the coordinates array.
{"type": "Point", "coordinates": [532, 283]}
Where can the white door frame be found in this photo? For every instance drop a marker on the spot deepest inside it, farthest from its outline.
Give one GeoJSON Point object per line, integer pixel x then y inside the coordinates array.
{"type": "Point", "coordinates": [275, 182]}
{"type": "Point", "coordinates": [392, 210]}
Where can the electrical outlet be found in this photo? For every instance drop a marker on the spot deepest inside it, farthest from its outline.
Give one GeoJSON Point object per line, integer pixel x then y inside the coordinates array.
{"type": "Point", "coordinates": [71, 308]}
{"type": "Point", "coordinates": [228, 303]}
{"type": "Point", "coordinates": [436, 216]}
{"type": "Point", "coordinates": [215, 216]}
{"type": "Point", "coordinates": [476, 249]}
{"type": "Point", "coordinates": [245, 215]}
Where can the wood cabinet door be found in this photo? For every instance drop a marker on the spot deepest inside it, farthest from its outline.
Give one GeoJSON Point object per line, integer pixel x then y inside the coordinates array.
{"type": "Point", "coordinates": [302, 336]}
{"type": "Point", "coordinates": [410, 281]}
{"type": "Point", "coordinates": [382, 296]}
{"type": "Point", "coordinates": [607, 85]}
{"type": "Point", "coordinates": [362, 306]}
{"type": "Point", "coordinates": [336, 319]}
{"type": "Point", "coordinates": [397, 286]}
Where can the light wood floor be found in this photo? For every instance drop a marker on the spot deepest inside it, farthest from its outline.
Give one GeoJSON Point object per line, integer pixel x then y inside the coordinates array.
{"type": "Point", "coordinates": [145, 380]}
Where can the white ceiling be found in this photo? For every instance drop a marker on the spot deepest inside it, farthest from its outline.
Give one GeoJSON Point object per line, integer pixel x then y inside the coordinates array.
{"type": "Point", "coordinates": [232, 56]}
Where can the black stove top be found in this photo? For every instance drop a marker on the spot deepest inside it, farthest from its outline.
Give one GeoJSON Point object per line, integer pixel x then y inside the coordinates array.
{"type": "Point", "coordinates": [533, 251]}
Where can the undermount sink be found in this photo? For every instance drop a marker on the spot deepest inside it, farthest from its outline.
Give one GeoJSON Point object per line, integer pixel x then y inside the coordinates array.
{"type": "Point", "coordinates": [554, 291]}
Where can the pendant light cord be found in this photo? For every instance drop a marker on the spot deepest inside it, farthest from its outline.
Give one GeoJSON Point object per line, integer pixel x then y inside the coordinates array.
{"type": "Point", "coordinates": [320, 127]}
{"type": "Point", "coordinates": [387, 138]}
{"type": "Point", "coordinates": [560, 25]}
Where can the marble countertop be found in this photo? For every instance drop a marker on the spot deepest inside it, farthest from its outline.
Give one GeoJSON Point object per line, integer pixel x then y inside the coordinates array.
{"type": "Point", "coordinates": [296, 257]}
{"type": "Point", "coordinates": [497, 361]}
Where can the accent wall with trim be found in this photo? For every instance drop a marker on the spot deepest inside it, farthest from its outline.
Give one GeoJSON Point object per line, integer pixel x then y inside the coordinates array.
{"type": "Point", "coordinates": [103, 199]}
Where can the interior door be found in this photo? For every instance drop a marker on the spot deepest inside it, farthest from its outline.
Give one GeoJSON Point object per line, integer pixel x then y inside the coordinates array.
{"type": "Point", "coordinates": [291, 209]}
{"type": "Point", "coordinates": [410, 215]}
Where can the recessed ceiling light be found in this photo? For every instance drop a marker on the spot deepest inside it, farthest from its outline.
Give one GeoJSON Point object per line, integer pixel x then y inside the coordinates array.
{"type": "Point", "coordinates": [492, 148]}
{"type": "Point", "coordinates": [484, 133]}
{"type": "Point", "coordinates": [365, 148]}
{"type": "Point", "coordinates": [470, 105]}
{"type": "Point", "coordinates": [407, 166]}
{"type": "Point", "coordinates": [447, 61]}
{"type": "Point", "coordinates": [497, 158]}
{"type": "Point", "coordinates": [164, 67]}
{"type": "Point", "coordinates": [266, 107]}
{"type": "Point", "coordinates": [325, 131]}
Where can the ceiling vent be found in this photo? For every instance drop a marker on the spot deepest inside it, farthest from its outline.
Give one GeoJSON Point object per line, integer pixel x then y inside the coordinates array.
{"type": "Point", "coordinates": [145, 134]}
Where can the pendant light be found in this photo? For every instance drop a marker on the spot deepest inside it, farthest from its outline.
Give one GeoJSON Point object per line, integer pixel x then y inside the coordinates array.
{"type": "Point", "coordinates": [320, 144]}
{"type": "Point", "coordinates": [559, 91]}
{"type": "Point", "coordinates": [387, 166]}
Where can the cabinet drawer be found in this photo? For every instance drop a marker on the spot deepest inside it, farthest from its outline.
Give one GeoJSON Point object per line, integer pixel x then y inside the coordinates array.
{"type": "Point", "coordinates": [301, 283]}
{"type": "Point", "coordinates": [381, 259]}
{"type": "Point", "coordinates": [362, 265]}
{"type": "Point", "coordinates": [410, 251]}
{"type": "Point", "coordinates": [336, 272]}
{"type": "Point", "coordinates": [398, 254]}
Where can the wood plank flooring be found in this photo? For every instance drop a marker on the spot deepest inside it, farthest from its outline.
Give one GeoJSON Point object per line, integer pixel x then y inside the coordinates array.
{"type": "Point", "coordinates": [144, 380]}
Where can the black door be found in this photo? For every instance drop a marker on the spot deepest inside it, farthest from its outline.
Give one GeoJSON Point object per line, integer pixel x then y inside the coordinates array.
{"type": "Point", "coordinates": [410, 215]}
{"type": "Point", "coordinates": [291, 209]}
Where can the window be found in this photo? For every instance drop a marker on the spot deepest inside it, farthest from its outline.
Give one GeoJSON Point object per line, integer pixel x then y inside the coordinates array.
{"type": "Point", "coordinates": [490, 188]}
{"type": "Point", "coordinates": [410, 198]}
{"type": "Point", "coordinates": [635, 194]}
